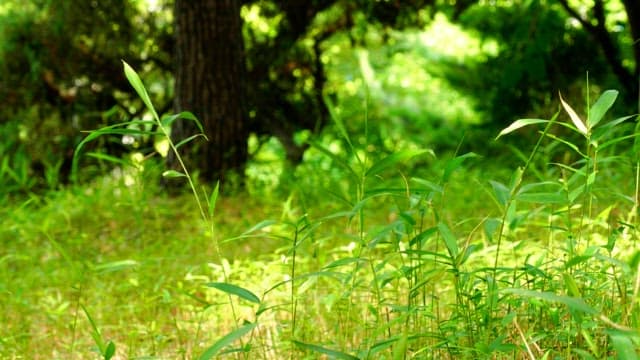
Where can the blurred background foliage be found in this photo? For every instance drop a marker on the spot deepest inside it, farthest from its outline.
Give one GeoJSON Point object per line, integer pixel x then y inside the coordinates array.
{"type": "Point", "coordinates": [441, 74]}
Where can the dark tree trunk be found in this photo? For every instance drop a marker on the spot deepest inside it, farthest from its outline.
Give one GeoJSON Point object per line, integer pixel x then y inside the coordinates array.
{"type": "Point", "coordinates": [210, 82]}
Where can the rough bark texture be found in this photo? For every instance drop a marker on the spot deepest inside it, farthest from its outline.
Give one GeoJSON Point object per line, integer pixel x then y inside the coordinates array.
{"type": "Point", "coordinates": [210, 82]}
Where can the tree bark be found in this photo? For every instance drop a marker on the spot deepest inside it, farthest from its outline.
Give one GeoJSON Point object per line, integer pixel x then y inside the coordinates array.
{"type": "Point", "coordinates": [210, 82]}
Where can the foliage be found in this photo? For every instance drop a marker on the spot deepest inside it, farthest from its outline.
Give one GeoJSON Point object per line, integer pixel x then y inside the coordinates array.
{"type": "Point", "coordinates": [384, 261]}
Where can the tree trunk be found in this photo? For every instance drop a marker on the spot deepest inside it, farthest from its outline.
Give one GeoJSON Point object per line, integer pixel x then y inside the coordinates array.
{"type": "Point", "coordinates": [210, 82]}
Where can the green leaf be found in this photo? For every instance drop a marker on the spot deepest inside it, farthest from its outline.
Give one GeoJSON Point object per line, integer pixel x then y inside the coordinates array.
{"type": "Point", "coordinates": [173, 174]}
{"type": "Point", "coordinates": [450, 240]}
{"type": "Point", "coordinates": [137, 84]}
{"type": "Point", "coordinates": [501, 191]}
{"type": "Point", "coordinates": [572, 302]}
{"type": "Point", "coordinates": [115, 266]}
{"type": "Point", "coordinates": [337, 119]}
{"type": "Point", "coordinates": [582, 128]}
{"type": "Point", "coordinates": [322, 350]}
{"type": "Point", "coordinates": [167, 120]}
{"type": "Point", "coordinates": [259, 226]}
{"type": "Point", "coordinates": [226, 340]}
{"type": "Point", "coordinates": [429, 184]}
{"type": "Point", "coordinates": [109, 158]}
{"type": "Point", "coordinates": [235, 290]}
{"type": "Point", "coordinates": [624, 346]}
{"type": "Point", "coordinates": [110, 350]}
{"type": "Point", "coordinates": [602, 105]}
{"type": "Point", "coordinates": [213, 199]}
{"type": "Point", "coordinates": [394, 159]}
{"type": "Point", "coordinates": [519, 124]}
{"type": "Point", "coordinates": [189, 139]}
{"type": "Point", "coordinates": [343, 262]}
{"type": "Point", "coordinates": [455, 163]}
{"type": "Point", "coordinates": [95, 333]}
{"type": "Point", "coordinates": [543, 197]}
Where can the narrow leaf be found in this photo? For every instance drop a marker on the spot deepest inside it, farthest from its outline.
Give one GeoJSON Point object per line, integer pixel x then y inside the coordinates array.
{"type": "Point", "coordinates": [189, 139]}
{"type": "Point", "coordinates": [172, 174]}
{"type": "Point", "coordinates": [235, 290]}
{"type": "Point", "coordinates": [322, 350]}
{"type": "Point", "coordinates": [572, 302]}
{"type": "Point", "coordinates": [137, 84]}
{"type": "Point", "coordinates": [501, 191]}
{"type": "Point", "coordinates": [213, 199]}
{"type": "Point", "coordinates": [110, 350]}
{"type": "Point", "coordinates": [602, 105]}
{"type": "Point", "coordinates": [574, 117]}
{"type": "Point", "coordinates": [226, 340]}
{"type": "Point", "coordinates": [167, 120]}
{"type": "Point", "coordinates": [116, 266]}
{"type": "Point", "coordinates": [542, 197]}
{"type": "Point", "coordinates": [519, 124]}
{"type": "Point", "coordinates": [393, 159]}
{"type": "Point", "coordinates": [450, 240]}
{"type": "Point", "coordinates": [624, 346]}
{"type": "Point", "coordinates": [109, 158]}
{"type": "Point", "coordinates": [259, 226]}
{"type": "Point", "coordinates": [455, 163]}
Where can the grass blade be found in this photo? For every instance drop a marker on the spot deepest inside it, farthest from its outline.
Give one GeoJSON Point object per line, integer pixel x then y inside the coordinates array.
{"type": "Point", "coordinates": [322, 350]}
{"type": "Point", "coordinates": [582, 128]}
{"type": "Point", "coordinates": [519, 124]}
{"type": "Point", "coordinates": [135, 81]}
{"type": "Point", "coordinates": [235, 290]}
{"type": "Point", "coordinates": [455, 163]}
{"type": "Point", "coordinates": [572, 302]}
{"type": "Point", "coordinates": [624, 346]}
{"type": "Point", "coordinates": [394, 159]}
{"type": "Point", "coordinates": [602, 105]}
{"type": "Point", "coordinates": [450, 240]}
{"type": "Point", "coordinates": [226, 340]}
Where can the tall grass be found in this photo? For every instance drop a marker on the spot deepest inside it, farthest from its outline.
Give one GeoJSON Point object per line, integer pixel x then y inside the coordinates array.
{"type": "Point", "coordinates": [382, 261]}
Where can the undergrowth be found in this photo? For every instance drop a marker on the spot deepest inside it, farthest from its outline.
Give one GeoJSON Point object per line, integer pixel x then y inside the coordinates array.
{"type": "Point", "coordinates": [382, 261]}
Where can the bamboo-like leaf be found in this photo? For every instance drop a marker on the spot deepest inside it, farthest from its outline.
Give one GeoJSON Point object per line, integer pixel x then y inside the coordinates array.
{"type": "Point", "coordinates": [394, 159]}
{"type": "Point", "coordinates": [501, 191]}
{"type": "Point", "coordinates": [334, 354]}
{"type": "Point", "coordinates": [226, 340]}
{"type": "Point", "coordinates": [116, 266]}
{"type": "Point", "coordinates": [455, 163]}
{"type": "Point", "coordinates": [542, 197]}
{"type": "Point", "coordinates": [582, 128]}
{"type": "Point", "coordinates": [189, 139]}
{"type": "Point", "coordinates": [213, 199]}
{"type": "Point", "coordinates": [259, 226]}
{"type": "Point", "coordinates": [110, 351]}
{"type": "Point", "coordinates": [235, 290]}
{"type": "Point", "coordinates": [137, 84]}
{"type": "Point", "coordinates": [519, 124]}
{"type": "Point", "coordinates": [573, 303]}
{"type": "Point", "coordinates": [624, 346]}
{"type": "Point", "coordinates": [602, 105]}
{"type": "Point", "coordinates": [338, 120]}
{"type": "Point", "coordinates": [450, 240]}
{"type": "Point", "coordinates": [167, 120]}
{"type": "Point", "coordinates": [109, 158]}
{"type": "Point", "coordinates": [173, 174]}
